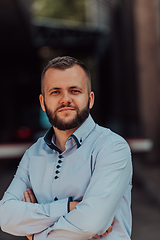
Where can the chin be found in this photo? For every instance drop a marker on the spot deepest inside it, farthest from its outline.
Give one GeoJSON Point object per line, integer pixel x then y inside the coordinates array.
{"type": "Point", "coordinates": [66, 116]}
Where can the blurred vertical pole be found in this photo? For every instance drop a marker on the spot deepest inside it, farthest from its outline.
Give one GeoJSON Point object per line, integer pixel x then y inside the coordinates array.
{"type": "Point", "coordinates": [147, 56]}
{"type": "Point", "coordinates": [125, 118]}
{"type": "Point", "coordinates": [98, 14]}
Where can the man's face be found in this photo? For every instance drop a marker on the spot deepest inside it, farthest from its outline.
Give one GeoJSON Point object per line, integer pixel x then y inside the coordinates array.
{"type": "Point", "coordinates": [66, 99]}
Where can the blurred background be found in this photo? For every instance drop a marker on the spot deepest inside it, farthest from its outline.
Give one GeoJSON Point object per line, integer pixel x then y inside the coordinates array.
{"type": "Point", "coordinates": [119, 42]}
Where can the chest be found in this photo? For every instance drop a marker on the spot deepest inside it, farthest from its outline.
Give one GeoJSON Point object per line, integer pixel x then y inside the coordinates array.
{"type": "Point", "coordinates": [60, 175]}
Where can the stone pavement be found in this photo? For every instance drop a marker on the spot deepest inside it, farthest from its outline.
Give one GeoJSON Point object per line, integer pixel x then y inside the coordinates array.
{"type": "Point", "coordinates": [145, 198]}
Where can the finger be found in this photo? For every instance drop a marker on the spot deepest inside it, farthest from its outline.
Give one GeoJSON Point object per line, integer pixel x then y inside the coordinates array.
{"type": "Point", "coordinates": [27, 197]}
{"type": "Point", "coordinates": [29, 237]}
{"type": "Point", "coordinates": [109, 230]}
{"type": "Point", "coordinates": [113, 222]}
{"type": "Point", "coordinates": [23, 200]}
{"type": "Point", "coordinates": [32, 196]}
{"type": "Point", "coordinates": [97, 236]}
{"type": "Point", "coordinates": [105, 234]}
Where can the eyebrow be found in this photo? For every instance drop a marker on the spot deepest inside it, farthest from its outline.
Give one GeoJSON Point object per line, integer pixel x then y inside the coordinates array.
{"type": "Point", "coordinates": [76, 87]}
{"type": "Point", "coordinates": [53, 88]}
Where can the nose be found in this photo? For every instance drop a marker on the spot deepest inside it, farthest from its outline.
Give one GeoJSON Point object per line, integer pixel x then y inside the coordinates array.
{"type": "Point", "coordinates": [65, 99]}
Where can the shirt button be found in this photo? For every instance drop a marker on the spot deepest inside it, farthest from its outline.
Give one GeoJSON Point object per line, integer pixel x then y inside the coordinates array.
{"type": "Point", "coordinates": [56, 177]}
{"type": "Point", "coordinates": [57, 172]}
{"type": "Point", "coordinates": [60, 156]}
{"type": "Point", "coordinates": [55, 199]}
{"type": "Point", "coordinates": [58, 166]}
{"type": "Point", "coordinates": [59, 161]}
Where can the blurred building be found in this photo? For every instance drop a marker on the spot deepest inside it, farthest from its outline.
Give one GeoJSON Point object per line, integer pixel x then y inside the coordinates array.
{"type": "Point", "coordinates": [119, 44]}
{"type": "Point", "coordinates": [20, 70]}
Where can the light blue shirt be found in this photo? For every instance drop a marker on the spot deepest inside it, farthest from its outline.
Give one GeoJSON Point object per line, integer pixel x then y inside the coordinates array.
{"type": "Point", "coordinates": [95, 169]}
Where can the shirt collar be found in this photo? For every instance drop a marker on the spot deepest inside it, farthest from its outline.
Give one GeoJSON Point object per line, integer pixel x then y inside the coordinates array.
{"type": "Point", "coordinates": [48, 139]}
{"type": "Point", "coordinates": [83, 131]}
{"type": "Point", "coordinates": [79, 135]}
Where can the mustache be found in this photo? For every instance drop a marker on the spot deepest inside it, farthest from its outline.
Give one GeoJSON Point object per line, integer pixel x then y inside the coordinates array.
{"type": "Point", "coordinates": [68, 105]}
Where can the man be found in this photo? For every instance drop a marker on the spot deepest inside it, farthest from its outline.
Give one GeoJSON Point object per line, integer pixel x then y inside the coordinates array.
{"type": "Point", "coordinates": [72, 183]}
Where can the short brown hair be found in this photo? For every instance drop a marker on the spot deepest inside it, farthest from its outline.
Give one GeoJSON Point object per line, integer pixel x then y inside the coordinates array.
{"type": "Point", "coordinates": [63, 63]}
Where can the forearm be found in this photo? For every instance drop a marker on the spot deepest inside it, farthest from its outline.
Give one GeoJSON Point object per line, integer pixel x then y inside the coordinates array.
{"type": "Point", "coordinates": [82, 223]}
{"type": "Point", "coordinates": [62, 234]}
{"type": "Point", "coordinates": [21, 218]}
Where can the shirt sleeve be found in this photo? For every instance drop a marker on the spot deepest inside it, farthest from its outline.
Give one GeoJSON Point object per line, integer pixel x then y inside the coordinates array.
{"type": "Point", "coordinates": [95, 213]}
{"type": "Point", "coordinates": [23, 218]}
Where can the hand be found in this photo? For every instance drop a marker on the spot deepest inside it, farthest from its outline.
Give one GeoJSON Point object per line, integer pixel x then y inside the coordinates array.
{"type": "Point", "coordinates": [29, 237]}
{"type": "Point", "coordinates": [73, 205]}
{"type": "Point", "coordinates": [29, 197]}
{"type": "Point", "coordinates": [109, 230]}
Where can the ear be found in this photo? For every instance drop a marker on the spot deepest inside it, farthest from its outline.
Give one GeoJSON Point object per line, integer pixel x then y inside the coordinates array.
{"type": "Point", "coordinates": [41, 99]}
{"type": "Point", "coordinates": [91, 97]}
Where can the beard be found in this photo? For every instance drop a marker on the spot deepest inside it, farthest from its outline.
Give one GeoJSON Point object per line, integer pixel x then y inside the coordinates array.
{"type": "Point", "coordinates": [60, 124]}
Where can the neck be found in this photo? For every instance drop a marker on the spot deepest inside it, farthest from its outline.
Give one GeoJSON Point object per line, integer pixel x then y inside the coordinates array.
{"type": "Point", "coordinates": [61, 137]}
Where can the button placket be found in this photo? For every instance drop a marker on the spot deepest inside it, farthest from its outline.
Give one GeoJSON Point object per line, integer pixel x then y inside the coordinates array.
{"type": "Point", "coordinates": [58, 166]}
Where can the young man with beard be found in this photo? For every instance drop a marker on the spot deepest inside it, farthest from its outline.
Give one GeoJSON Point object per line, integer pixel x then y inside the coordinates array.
{"type": "Point", "coordinates": [76, 179]}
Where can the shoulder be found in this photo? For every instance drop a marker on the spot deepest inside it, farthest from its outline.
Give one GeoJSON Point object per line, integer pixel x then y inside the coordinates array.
{"type": "Point", "coordinates": [111, 148]}
{"type": "Point", "coordinates": [109, 143]}
{"type": "Point", "coordinates": [107, 137]}
{"type": "Point", "coordinates": [38, 148]}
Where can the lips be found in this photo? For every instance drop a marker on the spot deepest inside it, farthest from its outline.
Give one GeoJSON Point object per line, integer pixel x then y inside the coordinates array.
{"type": "Point", "coordinates": [66, 109]}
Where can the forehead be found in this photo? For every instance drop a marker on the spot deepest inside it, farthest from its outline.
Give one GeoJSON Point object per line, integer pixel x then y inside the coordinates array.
{"type": "Point", "coordinates": [65, 78]}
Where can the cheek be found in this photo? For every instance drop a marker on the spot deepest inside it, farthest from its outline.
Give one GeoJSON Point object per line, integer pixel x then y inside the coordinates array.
{"type": "Point", "coordinates": [50, 102]}
{"type": "Point", "coordinates": [82, 102]}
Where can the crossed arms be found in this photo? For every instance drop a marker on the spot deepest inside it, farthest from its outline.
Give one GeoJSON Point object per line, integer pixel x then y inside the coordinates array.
{"type": "Point", "coordinates": [30, 197]}
{"type": "Point", "coordinates": [93, 215]}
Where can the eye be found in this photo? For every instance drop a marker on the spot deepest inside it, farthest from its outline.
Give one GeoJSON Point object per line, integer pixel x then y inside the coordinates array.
{"type": "Point", "coordinates": [75, 91]}
{"type": "Point", "coordinates": [55, 92]}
